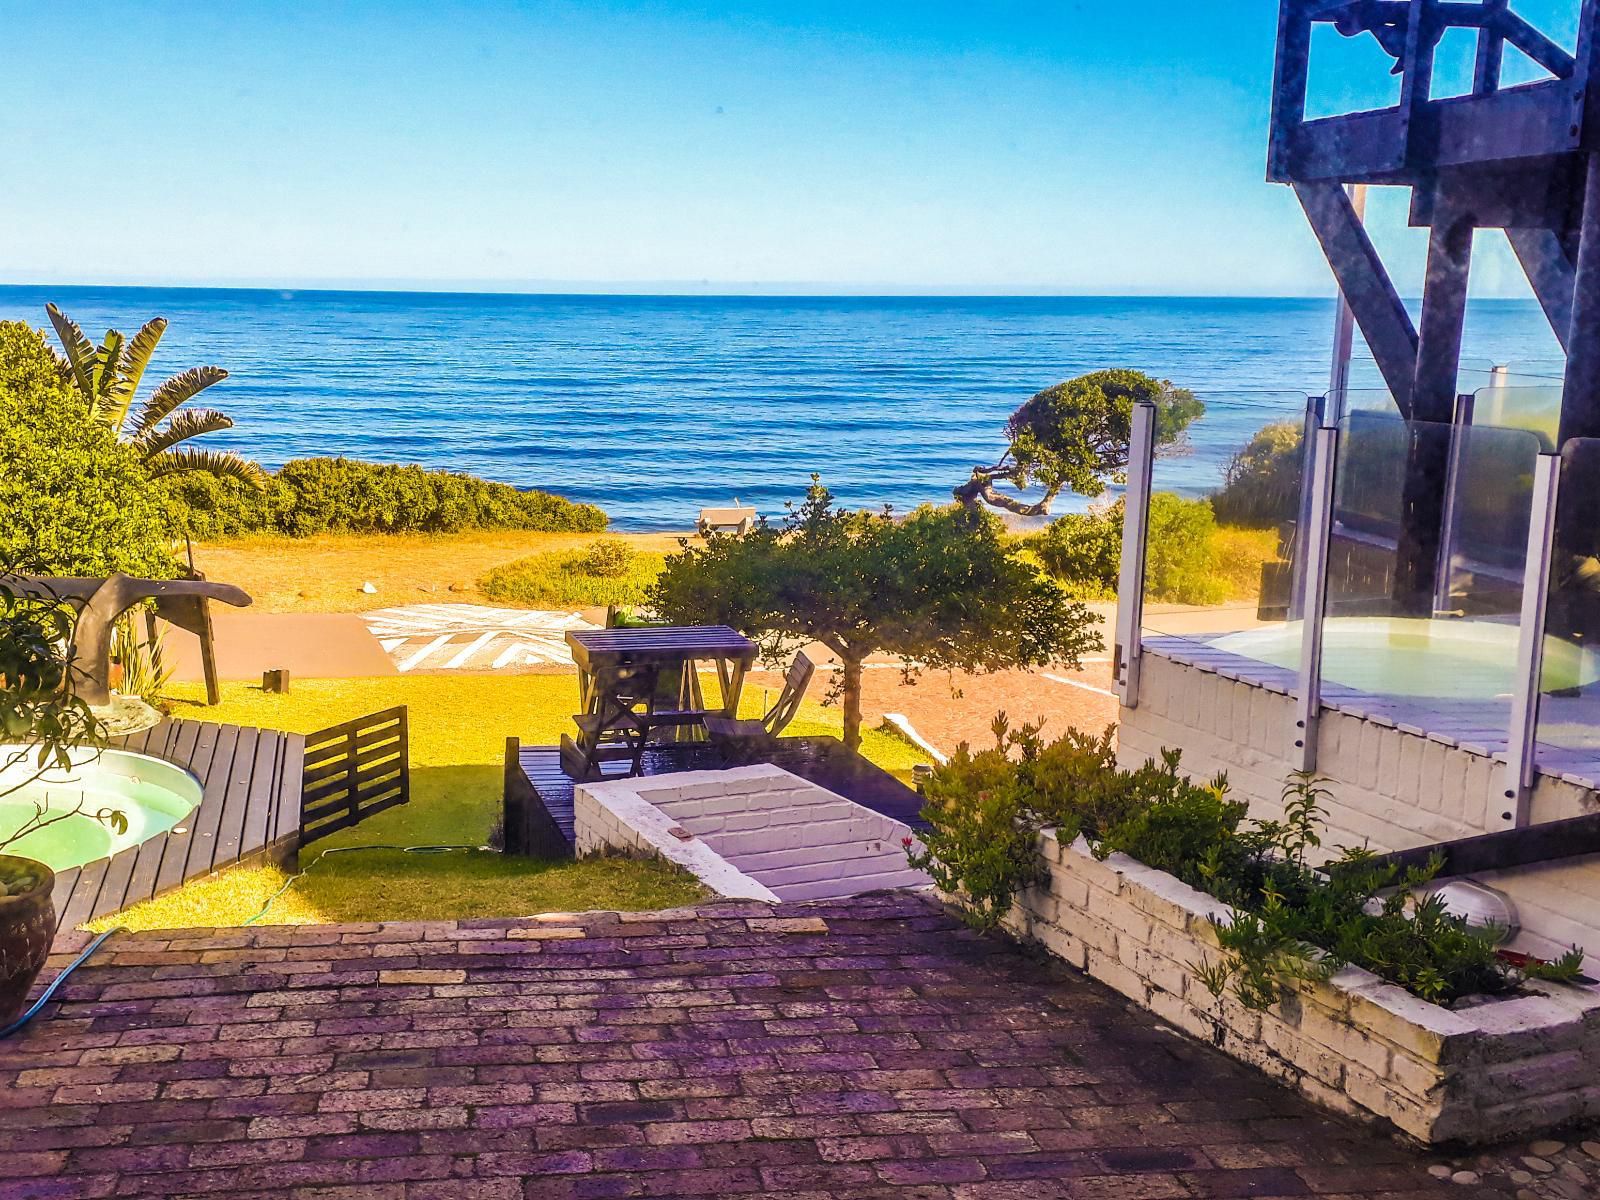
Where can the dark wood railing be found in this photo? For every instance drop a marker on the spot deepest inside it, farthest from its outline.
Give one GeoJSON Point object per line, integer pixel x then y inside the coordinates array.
{"type": "Point", "coordinates": [353, 771]}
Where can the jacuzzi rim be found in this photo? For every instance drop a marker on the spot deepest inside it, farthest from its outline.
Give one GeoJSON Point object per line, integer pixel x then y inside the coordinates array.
{"type": "Point", "coordinates": [90, 756]}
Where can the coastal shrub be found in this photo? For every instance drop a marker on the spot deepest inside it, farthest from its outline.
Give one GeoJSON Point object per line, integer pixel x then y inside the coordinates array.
{"type": "Point", "coordinates": [608, 571]}
{"type": "Point", "coordinates": [311, 496]}
{"type": "Point", "coordinates": [1295, 920]}
{"type": "Point", "coordinates": [1084, 551]}
{"type": "Point", "coordinates": [942, 588]}
{"type": "Point", "coordinates": [1261, 486]}
{"type": "Point", "coordinates": [1076, 435]}
{"type": "Point", "coordinates": [75, 501]}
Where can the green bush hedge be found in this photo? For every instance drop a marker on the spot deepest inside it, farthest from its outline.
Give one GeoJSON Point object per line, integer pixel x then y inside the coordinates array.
{"type": "Point", "coordinates": [1084, 551]}
{"type": "Point", "coordinates": [338, 495]}
{"type": "Point", "coordinates": [73, 500]}
{"type": "Point", "coordinates": [1262, 485]}
{"type": "Point", "coordinates": [604, 572]}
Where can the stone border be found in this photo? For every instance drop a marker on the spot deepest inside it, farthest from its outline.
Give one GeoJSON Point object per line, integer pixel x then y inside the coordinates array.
{"type": "Point", "coordinates": [1355, 1043]}
{"type": "Point", "coordinates": [615, 815]}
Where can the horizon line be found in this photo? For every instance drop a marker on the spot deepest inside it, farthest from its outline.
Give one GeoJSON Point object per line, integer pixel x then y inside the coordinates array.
{"type": "Point", "coordinates": [646, 289]}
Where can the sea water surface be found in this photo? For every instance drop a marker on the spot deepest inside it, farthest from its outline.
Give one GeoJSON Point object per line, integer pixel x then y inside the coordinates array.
{"type": "Point", "coordinates": [654, 406]}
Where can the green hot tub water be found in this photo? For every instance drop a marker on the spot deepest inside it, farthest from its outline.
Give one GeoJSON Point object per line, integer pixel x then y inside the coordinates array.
{"type": "Point", "coordinates": [1399, 656]}
{"type": "Point", "coordinates": [154, 795]}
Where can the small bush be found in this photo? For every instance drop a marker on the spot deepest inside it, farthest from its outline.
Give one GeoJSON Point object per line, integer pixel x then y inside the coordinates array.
{"type": "Point", "coordinates": [1294, 920]}
{"type": "Point", "coordinates": [1084, 551]}
{"type": "Point", "coordinates": [311, 496]}
{"type": "Point", "coordinates": [605, 572]}
{"type": "Point", "coordinates": [607, 558]}
{"type": "Point", "coordinates": [1261, 487]}
{"type": "Point", "coordinates": [74, 500]}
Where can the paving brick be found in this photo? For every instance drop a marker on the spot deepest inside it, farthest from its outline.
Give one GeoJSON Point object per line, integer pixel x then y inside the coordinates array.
{"type": "Point", "coordinates": [870, 1049]}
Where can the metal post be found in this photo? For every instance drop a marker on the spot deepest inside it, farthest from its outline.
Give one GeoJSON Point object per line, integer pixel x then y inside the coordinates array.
{"type": "Point", "coordinates": [1344, 327]}
{"type": "Point", "coordinates": [1308, 701]}
{"type": "Point", "coordinates": [1521, 735]}
{"type": "Point", "coordinates": [1135, 528]}
{"type": "Point", "coordinates": [1316, 409]}
{"type": "Point", "coordinates": [1459, 438]}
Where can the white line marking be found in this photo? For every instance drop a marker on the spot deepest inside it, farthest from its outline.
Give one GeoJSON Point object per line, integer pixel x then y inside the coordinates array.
{"type": "Point", "coordinates": [910, 731]}
{"type": "Point", "coordinates": [416, 659]}
{"type": "Point", "coordinates": [1074, 683]}
{"type": "Point", "coordinates": [471, 648]}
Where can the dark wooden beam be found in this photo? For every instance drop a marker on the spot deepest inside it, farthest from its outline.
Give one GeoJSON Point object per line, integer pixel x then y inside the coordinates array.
{"type": "Point", "coordinates": [1289, 83]}
{"type": "Point", "coordinates": [1444, 312]}
{"type": "Point", "coordinates": [1550, 272]}
{"type": "Point", "coordinates": [1550, 841]}
{"type": "Point", "coordinates": [1366, 285]}
{"type": "Point", "coordinates": [1580, 406]}
{"type": "Point", "coordinates": [1537, 46]}
{"type": "Point", "coordinates": [1491, 49]}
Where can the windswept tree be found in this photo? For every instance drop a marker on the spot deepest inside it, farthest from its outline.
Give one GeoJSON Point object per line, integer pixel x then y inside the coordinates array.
{"type": "Point", "coordinates": [940, 588]}
{"type": "Point", "coordinates": [107, 376]}
{"type": "Point", "coordinates": [1075, 436]}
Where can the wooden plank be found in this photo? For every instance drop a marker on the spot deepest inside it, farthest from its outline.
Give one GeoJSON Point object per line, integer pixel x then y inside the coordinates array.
{"type": "Point", "coordinates": [387, 730]}
{"type": "Point", "coordinates": [114, 887]}
{"type": "Point", "coordinates": [236, 803]}
{"type": "Point", "coordinates": [212, 756]}
{"type": "Point", "coordinates": [258, 813]}
{"type": "Point", "coordinates": [1550, 271]}
{"type": "Point", "coordinates": [314, 773]}
{"type": "Point", "coordinates": [183, 746]}
{"type": "Point", "coordinates": [146, 870]}
{"type": "Point", "coordinates": [61, 894]}
{"type": "Point", "coordinates": [353, 780]}
{"type": "Point", "coordinates": [333, 732]}
{"type": "Point", "coordinates": [81, 906]}
{"type": "Point", "coordinates": [286, 819]}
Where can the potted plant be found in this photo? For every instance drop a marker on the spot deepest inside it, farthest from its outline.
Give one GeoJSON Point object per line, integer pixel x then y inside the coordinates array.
{"type": "Point", "coordinates": [42, 725]}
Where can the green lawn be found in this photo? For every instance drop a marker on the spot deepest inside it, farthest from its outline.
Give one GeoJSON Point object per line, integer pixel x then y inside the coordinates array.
{"type": "Point", "coordinates": [459, 724]}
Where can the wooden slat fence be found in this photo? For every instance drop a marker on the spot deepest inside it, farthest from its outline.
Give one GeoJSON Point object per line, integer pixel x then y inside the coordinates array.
{"type": "Point", "coordinates": [354, 771]}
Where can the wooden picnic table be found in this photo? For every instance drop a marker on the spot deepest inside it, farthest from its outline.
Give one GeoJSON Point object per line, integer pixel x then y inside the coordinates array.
{"type": "Point", "coordinates": [614, 663]}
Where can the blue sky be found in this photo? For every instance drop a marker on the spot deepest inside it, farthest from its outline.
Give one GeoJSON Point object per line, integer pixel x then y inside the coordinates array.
{"type": "Point", "coordinates": [1081, 146]}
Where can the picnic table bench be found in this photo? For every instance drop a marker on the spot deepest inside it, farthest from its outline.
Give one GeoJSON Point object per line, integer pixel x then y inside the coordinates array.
{"type": "Point", "coordinates": [633, 683]}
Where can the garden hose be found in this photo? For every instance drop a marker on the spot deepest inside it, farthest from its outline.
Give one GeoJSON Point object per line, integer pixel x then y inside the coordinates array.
{"type": "Point", "coordinates": [287, 883]}
{"type": "Point", "coordinates": [58, 981]}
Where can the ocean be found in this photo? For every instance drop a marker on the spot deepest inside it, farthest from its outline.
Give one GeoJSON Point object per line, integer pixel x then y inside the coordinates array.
{"type": "Point", "coordinates": [654, 406]}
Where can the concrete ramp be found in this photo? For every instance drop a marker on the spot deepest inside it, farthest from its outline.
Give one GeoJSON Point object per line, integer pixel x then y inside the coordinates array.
{"type": "Point", "coordinates": [307, 645]}
{"type": "Point", "coordinates": [793, 839]}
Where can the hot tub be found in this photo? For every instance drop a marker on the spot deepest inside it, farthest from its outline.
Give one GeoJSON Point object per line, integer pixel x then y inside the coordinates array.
{"type": "Point", "coordinates": [153, 794]}
{"type": "Point", "coordinates": [1452, 659]}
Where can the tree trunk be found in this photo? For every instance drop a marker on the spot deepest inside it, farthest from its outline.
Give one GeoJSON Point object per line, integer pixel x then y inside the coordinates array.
{"type": "Point", "coordinates": [852, 702]}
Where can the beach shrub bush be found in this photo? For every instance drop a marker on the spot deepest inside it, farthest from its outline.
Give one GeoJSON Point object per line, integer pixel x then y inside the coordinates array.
{"type": "Point", "coordinates": [1295, 920]}
{"type": "Point", "coordinates": [74, 500]}
{"type": "Point", "coordinates": [608, 571]}
{"type": "Point", "coordinates": [942, 588]}
{"type": "Point", "coordinates": [1075, 435]}
{"type": "Point", "coordinates": [1084, 551]}
{"type": "Point", "coordinates": [311, 496]}
{"type": "Point", "coordinates": [1261, 486]}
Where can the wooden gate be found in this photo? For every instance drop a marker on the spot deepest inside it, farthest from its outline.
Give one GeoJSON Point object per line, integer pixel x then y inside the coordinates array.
{"type": "Point", "coordinates": [353, 771]}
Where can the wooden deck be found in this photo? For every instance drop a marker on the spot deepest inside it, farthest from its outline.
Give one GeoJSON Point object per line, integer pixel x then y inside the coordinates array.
{"type": "Point", "coordinates": [537, 787]}
{"type": "Point", "coordinates": [249, 809]}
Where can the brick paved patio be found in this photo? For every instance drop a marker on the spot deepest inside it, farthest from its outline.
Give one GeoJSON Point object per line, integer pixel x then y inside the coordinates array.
{"type": "Point", "coordinates": [868, 1048]}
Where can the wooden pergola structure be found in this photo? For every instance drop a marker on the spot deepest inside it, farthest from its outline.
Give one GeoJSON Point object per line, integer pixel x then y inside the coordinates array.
{"type": "Point", "coordinates": [1525, 159]}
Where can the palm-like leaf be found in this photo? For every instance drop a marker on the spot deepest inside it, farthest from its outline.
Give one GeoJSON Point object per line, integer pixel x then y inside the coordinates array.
{"type": "Point", "coordinates": [107, 370]}
{"type": "Point", "coordinates": [79, 350]}
{"type": "Point", "coordinates": [178, 390]}
{"type": "Point", "coordinates": [134, 359]}
{"type": "Point", "coordinates": [215, 462]}
{"type": "Point", "coordinates": [181, 428]}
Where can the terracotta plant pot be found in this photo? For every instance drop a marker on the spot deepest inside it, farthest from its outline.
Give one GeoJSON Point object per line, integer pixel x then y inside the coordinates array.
{"type": "Point", "coordinates": [27, 927]}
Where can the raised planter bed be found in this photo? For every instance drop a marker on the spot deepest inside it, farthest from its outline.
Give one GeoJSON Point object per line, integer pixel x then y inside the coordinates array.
{"type": "Point", "coordinates": [1476, 1073]}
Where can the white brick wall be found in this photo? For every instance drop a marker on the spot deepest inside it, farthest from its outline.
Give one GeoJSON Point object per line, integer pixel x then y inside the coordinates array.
{"type": "Point", "coordinates": [1391, 789]}
{"type": "Point", "coordinates": [1355, 1043]}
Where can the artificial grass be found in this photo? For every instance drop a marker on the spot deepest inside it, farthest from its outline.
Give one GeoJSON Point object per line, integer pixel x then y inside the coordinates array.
{"type": "Point", "coordinates": [459, 724]}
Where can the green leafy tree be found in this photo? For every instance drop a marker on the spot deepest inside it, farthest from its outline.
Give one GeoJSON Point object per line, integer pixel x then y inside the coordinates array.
{"type": "Point", "coordinates": [107, 376]}
{"type": "Point", "coordinates": [75, 500]}
{"type": "Point", "coordinates": [1075, 436]}
{"type": "Point", "coordinates": [1084, 550]}
{"type": "Point", "coordinates": [940, 588]}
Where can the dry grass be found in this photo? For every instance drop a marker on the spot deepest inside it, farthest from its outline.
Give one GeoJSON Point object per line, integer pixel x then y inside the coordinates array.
{"type": "Point", "coordinates": [325, 574]}
{"type": "Point", "coordinates": [1240, 554]}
